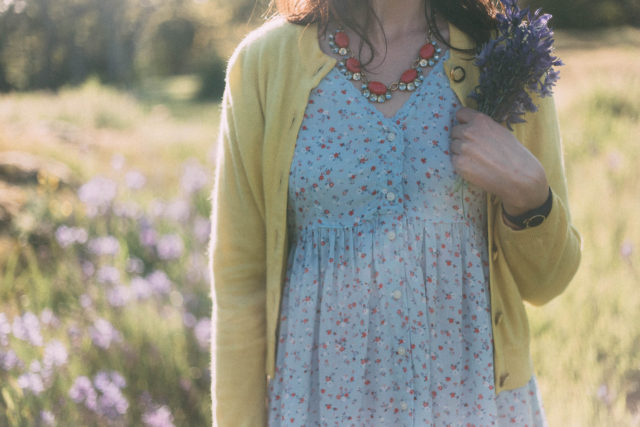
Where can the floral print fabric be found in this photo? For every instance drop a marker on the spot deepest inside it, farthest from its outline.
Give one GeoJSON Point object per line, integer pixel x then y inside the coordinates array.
{"type": "Point", "coordinates": [385, 315]}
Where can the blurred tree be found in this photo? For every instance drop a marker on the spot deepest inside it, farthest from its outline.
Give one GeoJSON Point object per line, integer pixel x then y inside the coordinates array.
{"type": "Point", "coordinates": [590, 13]}
{"type": "Point", "coordinates": [172, 43]}
{"type": "Point", "coordinates": [45, 44]}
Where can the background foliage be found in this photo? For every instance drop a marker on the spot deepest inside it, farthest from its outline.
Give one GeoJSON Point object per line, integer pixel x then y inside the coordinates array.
{"type": "Point", "coordinates": [46, 44]}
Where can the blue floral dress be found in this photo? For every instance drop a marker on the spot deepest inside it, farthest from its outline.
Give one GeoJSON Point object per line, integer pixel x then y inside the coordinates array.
{"type": "Point", "coordinates": [385, 317]}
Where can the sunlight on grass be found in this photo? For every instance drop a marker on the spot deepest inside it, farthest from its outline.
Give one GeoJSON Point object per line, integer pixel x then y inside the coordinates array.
{"type": "Point", "coordinates": [586, 343]}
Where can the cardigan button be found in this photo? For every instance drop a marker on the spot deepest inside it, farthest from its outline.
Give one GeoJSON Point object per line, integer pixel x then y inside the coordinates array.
{"type": "Point", "coordinates": [498, 318]}
{"type": "Point", "coordinates": [494, 251]}
{"type": "Point", "coordinates": [457, 74]}
{"type": "Point", "coordinates": [503, 378]}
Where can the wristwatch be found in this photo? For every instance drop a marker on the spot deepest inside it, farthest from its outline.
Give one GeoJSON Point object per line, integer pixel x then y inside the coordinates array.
{"type": "Point", "coordinates": [533, 217]}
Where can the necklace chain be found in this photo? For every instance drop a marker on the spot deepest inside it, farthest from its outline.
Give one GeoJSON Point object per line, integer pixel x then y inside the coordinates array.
{"type": "Point", "coordinates": [376, 91]}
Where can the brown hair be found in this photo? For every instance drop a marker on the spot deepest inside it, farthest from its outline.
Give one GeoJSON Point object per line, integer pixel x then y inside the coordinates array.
{"type": "Point", "coordinates": [474, 17]}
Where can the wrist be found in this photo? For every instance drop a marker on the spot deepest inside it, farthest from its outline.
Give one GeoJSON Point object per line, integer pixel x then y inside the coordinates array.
{"type": "Point", "coordinates": [530, 218]}
{"type": "Point", "coordinates": [525, 200]}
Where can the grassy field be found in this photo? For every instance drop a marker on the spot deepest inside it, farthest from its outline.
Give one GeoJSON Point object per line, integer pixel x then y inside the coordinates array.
{"type": "Point", "coordinates": [148, 145]}
{"type": "Point", "coordinates": [586, 343]}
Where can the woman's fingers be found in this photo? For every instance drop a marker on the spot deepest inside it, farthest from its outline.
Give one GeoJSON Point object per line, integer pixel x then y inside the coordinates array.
{"type": "Point", "coordinates": [456, 146]}
{"type": "Point", "coordinates": [466, 114]}
{"type": "Point", "coordinates": [459, 132]}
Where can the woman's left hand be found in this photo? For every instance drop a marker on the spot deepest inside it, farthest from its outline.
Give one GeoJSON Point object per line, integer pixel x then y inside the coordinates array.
{"type": "Point", "coordinates": [489, 156]}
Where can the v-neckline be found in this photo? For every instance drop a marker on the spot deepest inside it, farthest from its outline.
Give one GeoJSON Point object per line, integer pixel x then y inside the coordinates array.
{"type": "Point", "coordinates": [409, 101]}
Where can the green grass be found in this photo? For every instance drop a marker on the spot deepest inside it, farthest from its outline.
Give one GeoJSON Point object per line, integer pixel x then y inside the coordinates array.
{"type": "Point", "coordinates": [586, 343]}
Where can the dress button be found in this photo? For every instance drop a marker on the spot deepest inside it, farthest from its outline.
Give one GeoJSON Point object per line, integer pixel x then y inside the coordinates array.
{"type": "Point", "coordinates": [401, 351]}
{"type": "Point", "coordinates": [503, 378]}
{"type": "Point", "coordinates": [391, 196]}
{"type": "Point", "coordinates": [391, 235]}
{"type": "Point", "coordinates": [391, 136]}
{"type": "Point", "coordinates": [397, 294]}
{"type": "Point", "coordinates": [403, 406]}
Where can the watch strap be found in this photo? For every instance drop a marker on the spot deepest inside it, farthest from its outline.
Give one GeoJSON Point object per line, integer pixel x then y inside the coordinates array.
{"type": "Point", "coordinates": [533, 217]}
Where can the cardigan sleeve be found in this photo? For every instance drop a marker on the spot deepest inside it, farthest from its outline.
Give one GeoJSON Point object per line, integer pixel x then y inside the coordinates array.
{"type": "Point", "coordinates": [238, 254]}
{"type": "Point", "coordinates": [543, 259]}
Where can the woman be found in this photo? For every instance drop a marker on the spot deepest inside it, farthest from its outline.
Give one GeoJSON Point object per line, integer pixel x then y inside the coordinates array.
{"type": "Point", "coordinates": [354, 281]}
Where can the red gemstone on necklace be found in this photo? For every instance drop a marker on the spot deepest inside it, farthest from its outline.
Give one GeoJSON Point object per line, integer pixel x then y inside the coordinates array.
{"type": "Point", "coordinates": [342, 39]}
{"type": "Point", "coordinates": [353, 65]}
{"type": "Point", "coordinates": [377, 88]}
{"type": "Point", "coordinates": [408, 76]}
{"type": "Point", "coordinates": [427, 51]}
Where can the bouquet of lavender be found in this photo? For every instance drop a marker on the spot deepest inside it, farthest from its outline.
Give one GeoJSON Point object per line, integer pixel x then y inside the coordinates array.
{"type": "Point", "coordinates": [518, 59]}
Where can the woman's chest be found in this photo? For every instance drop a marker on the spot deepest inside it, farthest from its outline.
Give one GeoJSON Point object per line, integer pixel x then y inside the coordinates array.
{"type": "Point", "coordinates": [351, 162]}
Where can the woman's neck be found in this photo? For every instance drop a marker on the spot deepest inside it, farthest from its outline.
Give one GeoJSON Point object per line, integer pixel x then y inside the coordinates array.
{"type": "Point", "coordinates": [397, 17]}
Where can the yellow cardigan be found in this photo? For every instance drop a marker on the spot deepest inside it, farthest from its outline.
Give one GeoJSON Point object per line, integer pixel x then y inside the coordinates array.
{"type": "Point", "coordinates": [269, 79]}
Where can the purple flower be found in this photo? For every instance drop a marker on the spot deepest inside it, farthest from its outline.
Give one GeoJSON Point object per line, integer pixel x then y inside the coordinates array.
{"type": "Point", "coordinates": [97, 195]}
{"type": "Point", "coordinates": [178, 211]}
{"type": "Point", "coordinates": [9, 360]}
{"type": "Point", "coordinates": [88, 268]}
{"type": "Point", "coordinates": [127, 210]}
{"type": "Point", "coordinates": [140, 288]}
{"type": "Point", "coordinates": [5, 330]}
{"type": "Point", "coordinates": [194, 176]}
{"type": "Point", "coordinates": [27, 328]}
{"type": "Point", "coordinates": [160, 417]}
{"type": "Point", "coordinates": [119, 296]}
{"type": "Point", "coordinates": [111, 402]}
{"type": "Point", "coordinates": [202, 331]}
{"type": "Point", "coordinates": [159, 282]}
{"type": "Point", "coordinates": [31, 381]}
{"type": "Point", "coordinates": [85, 301]}
{"type": "Point", "coordinates": [517, 61]}
{"type": "Point", "coordinates": [626, 250]}
{"type": "Point", "coordinates": [82, 391]}
{"type": "Point", "coordinates": [103, 334]}
{"type": "Point", "coordinates": [48, 318]}
{"type": "Point", "coordinates": [55, 355]}
{"type": "Point", "coordinates": [189, 320]}
{"type": "Point", "coordinates": [148, 236]}
{"type": "Point", "coordinates": [106, 245]}
{"type": "Point", "coordinates": [170, 246]}
{"type": "Point", "coordinates": [67, 236]}
{"type": "Point", "coordinates": [135, 179]}
{"type": "Point", "coordinates": [102, 379]}
{"type": "Point", "coordinates": [156, 208]}
{"type": "Point", "coordinates": [108, 275]}
{"type": "Point", "coordinates": [75, 334]}
{"type": "Point", "coordinates": [604, 394]}
{"type": "Point", "coordinates": [47, 418]}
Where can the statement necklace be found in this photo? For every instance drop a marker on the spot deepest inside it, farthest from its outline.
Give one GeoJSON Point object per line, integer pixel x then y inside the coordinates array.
{"type": "Point", "coordinates": [376, 91]}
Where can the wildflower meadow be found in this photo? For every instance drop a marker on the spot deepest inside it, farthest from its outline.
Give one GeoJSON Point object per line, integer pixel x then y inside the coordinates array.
{"type": "Point", "coordinates": [105, 306]}
{"type": "Point", "coordinates": [104, 225]}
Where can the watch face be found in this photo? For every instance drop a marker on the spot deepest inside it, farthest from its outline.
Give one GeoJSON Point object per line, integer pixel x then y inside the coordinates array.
{"type": "Point", "coordinates": [534, 220]}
